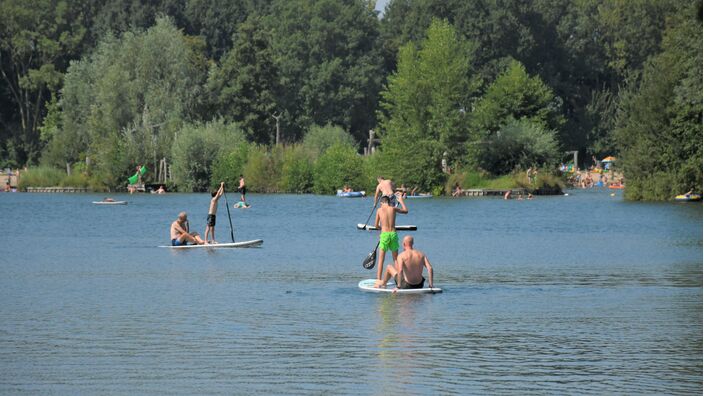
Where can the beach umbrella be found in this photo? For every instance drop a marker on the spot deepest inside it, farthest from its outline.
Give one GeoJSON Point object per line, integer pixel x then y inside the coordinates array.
{"type": "Point", "coordinates": [609, 159]}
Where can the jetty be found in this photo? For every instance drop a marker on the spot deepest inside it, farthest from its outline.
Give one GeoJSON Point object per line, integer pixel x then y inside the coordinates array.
{"type": "Point", "coordinates": [484, 192]}
{"type": "Point", "coordinates": [57, 189]}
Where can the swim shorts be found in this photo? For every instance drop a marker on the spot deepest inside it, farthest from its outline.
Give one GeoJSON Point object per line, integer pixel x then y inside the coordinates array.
{"type": "Point", "coordinates": [176, 242]}
{"type": "Point", "coordinates": [405, 285]}
{"type": "Point", "coordinates": [392, 200]}
{"type": "Point", "coordinates": [388, 241]}
{"type": "Point", "coordinates": [211, 220]}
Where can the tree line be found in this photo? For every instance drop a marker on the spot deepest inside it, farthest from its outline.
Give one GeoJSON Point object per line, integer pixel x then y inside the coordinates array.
{"type": "Point", "coordinates": [471, 86]}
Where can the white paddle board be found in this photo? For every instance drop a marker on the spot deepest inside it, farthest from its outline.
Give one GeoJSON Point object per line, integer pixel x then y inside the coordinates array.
{"type": "Point", "coordinates": [367, 285]}
{"type": "Point", "coordinates": [398, 227]}
{"type": "Point", "coordinates": [245, 244]}
{"type": "Point", "coordinates": [418, 196]}
{"type": "Point", "coordinates": [110, 202]}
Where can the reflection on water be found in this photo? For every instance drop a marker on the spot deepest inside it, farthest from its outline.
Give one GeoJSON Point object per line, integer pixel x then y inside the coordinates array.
{"type": "Point", "coordinates": [582, 294]}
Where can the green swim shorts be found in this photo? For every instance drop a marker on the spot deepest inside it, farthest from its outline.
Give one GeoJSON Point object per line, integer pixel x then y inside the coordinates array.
{"type": "Point", "coordinates": [388, 241]}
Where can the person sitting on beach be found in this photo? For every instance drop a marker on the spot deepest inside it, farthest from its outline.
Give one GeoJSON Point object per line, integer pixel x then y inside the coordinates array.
{"type": "Point", "coordinates": [408, 271]}
{"type": "Point", "coordinates": [212, 212]}
{"type": "Point", "coordinates": [8, 188]}
{"type": "Point", "coordinates": [180, 234]}
{"type": "Point", "coordinates": [385, 188]}
{"type": "Point", "coordinates": [386, 222]}
{"type": "Point", "coordinates": [161, 190]}
{"type": "Point", "coordinates": [457, 190]}
{"type": "Point", "coordinates": [530, 196]}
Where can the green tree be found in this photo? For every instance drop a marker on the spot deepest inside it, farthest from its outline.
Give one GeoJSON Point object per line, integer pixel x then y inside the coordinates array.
{"type": "Point", "coordinates": [519, 145]}
{"type": "Point", "coordinates": [328, 59]}
{"type": "Point", "coordinates": [197, 147]}
{"type": "Point", "coordinates": [37, 39]}
{"type": "Point", "coordinates": [123, 104]}
{"type": "Point", "coordinates": [424, 107]}
{"type": "Point", "coordinates": [659, 125]}
{"type": "Point", "coordinates": [318, 139]}
{"type": "Point", "coordinates": [245, 87]}
{"type": "Point", "coordinates": [338, 166]}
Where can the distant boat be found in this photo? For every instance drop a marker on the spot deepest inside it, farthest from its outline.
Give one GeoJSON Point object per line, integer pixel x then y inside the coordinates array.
{"type": "Point", "coordinates": [688, 197]}
{"type": "Point", "coordinates": [351, 194]}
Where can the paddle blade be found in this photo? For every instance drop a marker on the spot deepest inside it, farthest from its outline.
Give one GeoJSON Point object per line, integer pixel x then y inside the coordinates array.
{"type": "Point", "coordinates": [370, 261]}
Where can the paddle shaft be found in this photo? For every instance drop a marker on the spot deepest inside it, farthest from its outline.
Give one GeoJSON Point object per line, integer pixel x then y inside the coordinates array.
{"type": "Point", "coordinates": [371, 213]}
{"type": "Point", "coordinates": [232, 230]}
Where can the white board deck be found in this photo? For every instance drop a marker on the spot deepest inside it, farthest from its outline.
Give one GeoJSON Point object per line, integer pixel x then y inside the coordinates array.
{"type": "Point", "coordinates": [110, 202]}
{"type": "Point", "coordinates": [398, 227]}
{"type": "Point", "coordinates": [418, 196]}
{"type": "Point", "coordinates": [367, 285]}
{"type": "Point", "coordinates": [245, 244]}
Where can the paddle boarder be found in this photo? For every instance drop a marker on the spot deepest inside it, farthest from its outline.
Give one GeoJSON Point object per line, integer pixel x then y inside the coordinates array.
{"type": "Point", "coordinates": [180, 233]}
{"type": "Point", "coordinates": [408, 271]}
{"type": "Point", "coordinates": [386, 222]}
{"type": "Point", "coordinates": [242, 189]}
{"type": "Point", "coordinates": [386, 188]}
{"type": "Point", "coordinates": [212, 211]}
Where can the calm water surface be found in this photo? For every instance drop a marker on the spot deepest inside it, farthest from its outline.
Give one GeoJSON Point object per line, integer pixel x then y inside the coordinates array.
{"type": "Point", "coordinates": [583, 294]}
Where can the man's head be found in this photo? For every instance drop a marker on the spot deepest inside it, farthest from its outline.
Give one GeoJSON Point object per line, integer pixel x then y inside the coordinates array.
{"type": "Point", "coordinates": [408, 242]}
{"type": "Point", "coordinates": [384, 200]}
{"type": "Point", "coordinates": [380, 179]}
{"type": "Point", "coordinates": [182, 216]}
{"type": "Point", "coordinates": [241, 176]}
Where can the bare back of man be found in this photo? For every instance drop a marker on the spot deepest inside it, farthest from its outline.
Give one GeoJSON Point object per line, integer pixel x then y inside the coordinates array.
{"type": "Point", "coordinates": [408, 271]}
{"type": "Point", "coordinates": [384, 188]}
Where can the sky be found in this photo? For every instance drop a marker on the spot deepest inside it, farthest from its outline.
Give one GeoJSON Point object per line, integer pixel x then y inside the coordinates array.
{"type": "Point", "coordinates": [380, 5]}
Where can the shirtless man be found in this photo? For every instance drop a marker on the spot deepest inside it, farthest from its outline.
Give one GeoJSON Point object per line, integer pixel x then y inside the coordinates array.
{"type": "Point", "coordinates": [386, 188]}
{"type": "Point", "coordinates": [386, 222]}
{"type": "Point", "coordinates": [212, 211]}
{"type": "Point", "coordinates": [408, 271]}
{"type": "Point", "coordinates": [180, 234]}
{"type": "Point", "coordinates": [242, 189]}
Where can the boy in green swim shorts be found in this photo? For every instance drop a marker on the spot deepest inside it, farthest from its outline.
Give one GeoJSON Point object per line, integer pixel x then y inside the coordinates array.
{"type": "Point", "coordinates": [386, 222]}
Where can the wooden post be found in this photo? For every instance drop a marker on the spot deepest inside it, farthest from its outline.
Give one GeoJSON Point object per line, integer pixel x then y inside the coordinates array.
{"type": "Point", "coordinates": [278, 130]}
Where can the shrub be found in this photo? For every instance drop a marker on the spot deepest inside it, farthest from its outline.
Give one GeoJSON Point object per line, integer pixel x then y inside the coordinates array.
{"type": "Point", "coordinates": [518, 144]}
{"type": "Point", "coordinates": [338, 166]}
{"type": "Point", "coordinates": [41, 176]}
{"type": "Point", "coordinates": [296, 170]}
{"type": "Point", "coordinates": [319, 139]}
{"type": "Point", "coordinates": [196, 147]}
{"type": "Point", "coordinates": [229, 166]}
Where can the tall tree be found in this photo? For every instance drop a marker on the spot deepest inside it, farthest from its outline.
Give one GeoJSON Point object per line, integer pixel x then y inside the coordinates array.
{"type": "Point", "coordinates": [327, 55]}
{"type": "Point", "coordinates": [659, 126]}
{"type": "Point", "coordinates": [424, 107]}
{"type": "Point", "coordinates": [245, 87]}
{"type": "Point", "coordinates": [37, 39]}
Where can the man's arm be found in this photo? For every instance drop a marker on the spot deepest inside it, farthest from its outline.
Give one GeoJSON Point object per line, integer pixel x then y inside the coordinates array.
{"type": "Point", "coordinates": [377, 221]}
{"type": "Point", "coordinates": [403, 209]}
{"type": "Point", "coordinates": [376, 195]}
{"type": "Point", "coordinates": [221, 190]}
{"type": "Point", "coordinates": [429, 267]}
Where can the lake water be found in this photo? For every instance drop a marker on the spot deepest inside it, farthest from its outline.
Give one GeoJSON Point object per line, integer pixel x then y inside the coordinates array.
{"type": "Point", "coordinates": [584, 294]}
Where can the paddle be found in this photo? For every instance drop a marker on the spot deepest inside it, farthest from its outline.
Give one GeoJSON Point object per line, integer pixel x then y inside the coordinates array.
{"type": "Point", "coordinates": [370, 260]}
{"type": "Point", "coordinates": [370, 214]}
{"type": "Point", "coordinates": [232, 231]}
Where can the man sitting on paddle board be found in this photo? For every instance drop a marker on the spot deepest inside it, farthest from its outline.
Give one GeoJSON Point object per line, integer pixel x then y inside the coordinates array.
{"type": "Point", "coordinates": [408, 272]}
{"type": "Point", "coordinates": [386, 188]}
{"type": "Point", "coordinates": [180, 234]}
{"type": "Point", "coordinates": [386, 222]}
{"type": "Point", "coordinates": [212, 211]}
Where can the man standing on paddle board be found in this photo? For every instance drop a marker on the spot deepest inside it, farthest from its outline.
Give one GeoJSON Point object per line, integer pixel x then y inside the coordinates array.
{"type": "Point", "coordinates": [408, 272]}
{"type": "Point", "coordinates": [212, 211]}
{"type": "Point", "coordinates": [386, 188]}
{"type": "Point", "coordinates": [242, 189]}
{"type": "Point", "coordinates": [180, 234]}
{"type": "Point", "coordinates": [386, 222]}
